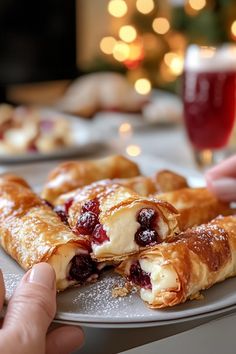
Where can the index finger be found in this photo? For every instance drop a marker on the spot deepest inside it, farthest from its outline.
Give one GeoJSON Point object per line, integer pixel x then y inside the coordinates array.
{"type": "Point", "coordinates": [226, 168]}
{"type": "Point", "coordinates": [2, 290]}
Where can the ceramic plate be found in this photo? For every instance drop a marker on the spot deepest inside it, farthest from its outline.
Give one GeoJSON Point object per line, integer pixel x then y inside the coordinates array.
{"type": "Point", "coordinates": [85, 140]}
{"type": "Point", "coordinates": [94, 305]}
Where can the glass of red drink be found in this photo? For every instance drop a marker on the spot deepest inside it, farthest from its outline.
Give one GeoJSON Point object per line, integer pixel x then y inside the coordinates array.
{"type": "Point", "coordinates": [209, 97]}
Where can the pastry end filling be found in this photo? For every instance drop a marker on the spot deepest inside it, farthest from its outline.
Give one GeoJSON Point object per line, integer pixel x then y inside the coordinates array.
{"type": "Point", "coordinates": [141, 227]}
{"type": "Point", "coordinates": [163, 279]}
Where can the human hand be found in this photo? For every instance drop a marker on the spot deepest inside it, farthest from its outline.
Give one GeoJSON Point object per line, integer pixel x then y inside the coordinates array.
{"type": "Point", "coordinates": [221, 179]}
{"type": "Point", "coordinates": [29, 314]}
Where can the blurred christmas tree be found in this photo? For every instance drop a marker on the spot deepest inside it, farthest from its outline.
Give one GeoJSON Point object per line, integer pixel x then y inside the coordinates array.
{"type": "Point", "coordinates": [148, 38]}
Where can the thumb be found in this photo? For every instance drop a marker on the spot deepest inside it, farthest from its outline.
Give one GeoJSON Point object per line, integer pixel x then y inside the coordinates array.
{"type": "Point", "coordinates": [33, 305]}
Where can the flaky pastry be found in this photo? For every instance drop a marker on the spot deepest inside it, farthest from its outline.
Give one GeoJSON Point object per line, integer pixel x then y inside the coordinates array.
{"type": "Point", "coordinates": [31, 232]}
{"type": "Point", "coordinates": [172, 272]}
{"type": "Point", "coordinates": [73, 174]}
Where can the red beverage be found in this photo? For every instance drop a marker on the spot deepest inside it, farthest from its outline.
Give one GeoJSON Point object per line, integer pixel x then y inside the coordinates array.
{"type": "Point", "coordinates": [209, 95]}
{"type": "Point", "coordinates": [209, 107]}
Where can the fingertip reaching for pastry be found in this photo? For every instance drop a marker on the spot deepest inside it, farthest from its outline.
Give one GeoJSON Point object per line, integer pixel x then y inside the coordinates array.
{"type": "Point", "coordinates": [221, 179]}
{"type": "Point", "coordinates": [223, 188]}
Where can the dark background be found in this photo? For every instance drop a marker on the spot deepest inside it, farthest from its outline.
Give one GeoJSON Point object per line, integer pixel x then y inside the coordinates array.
{"type": "Point", "coordinates": [37, 41]}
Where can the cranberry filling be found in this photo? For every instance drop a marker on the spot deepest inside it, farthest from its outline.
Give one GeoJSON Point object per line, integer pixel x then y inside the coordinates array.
{"type": "Point", "coordinates": [145, 237]}
{"type": "Point", "coordinates": [68, 204]}
{"type": "Point", "coordinates": [91, 205]}
{"type": "Point", "coordinates": [82, 267]}
{"type": "Point", "coordinates": [139, 277]}
{"type": "Point", "coordinates": [86, 223]}
{"type": "Point", "coordinates": [99, 234]}
{"type": "Point", "coordinates": [147, 218]}
{"type": "Point", "coordinates": [60, 210]}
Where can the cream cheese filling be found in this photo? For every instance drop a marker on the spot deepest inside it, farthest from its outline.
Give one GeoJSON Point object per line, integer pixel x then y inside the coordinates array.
{"type": "Point", "coordinates": [121, 228]}
{"type": "Point", "coordinates": [163, 278]}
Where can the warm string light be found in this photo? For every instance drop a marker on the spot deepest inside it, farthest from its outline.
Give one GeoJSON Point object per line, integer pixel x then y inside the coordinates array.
{"type": "Point", "coordinates": [127, 33]}
{"type": "Point", "coordinates": [175, 62]}
{"type": "Point", "coordinates": [142, 86]}
{"type": "Point", "coordinates": [131, 47]}
{"type": "Point", "coordinates": [197, 4]}
{"type": "Point", "coordinates": [145, 6]}
{"type": "Point", "coordinates": [133, 150]}
{"type": "Point", "coordinates": [161, 25]}
{"type": "Point", "coordinates": [121, 51]}
{"type": "Point", "coordinates": [107, 44]}
{"type": "Point", "coordinates": [125, 130]}
{"type": "Point", "coordinates": [117, 8]}
{"type": "Point", "coordinates": [233, 29]}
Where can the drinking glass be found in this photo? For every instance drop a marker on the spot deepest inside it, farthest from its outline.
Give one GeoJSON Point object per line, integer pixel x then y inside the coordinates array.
{"type": "Point", "coordinates": [209, 97]}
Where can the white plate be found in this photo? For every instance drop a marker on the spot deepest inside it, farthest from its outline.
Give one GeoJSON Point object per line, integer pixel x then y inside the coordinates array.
{"type": "Point", "coordinates": [93, 304]}
{"type": "Point", "coordinates": [84, 136]}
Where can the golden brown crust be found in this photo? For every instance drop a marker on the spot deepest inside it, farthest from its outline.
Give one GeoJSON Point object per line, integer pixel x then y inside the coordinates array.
{"type": "Point", "coordinates": [200, 258]}
{"type": "Point", "coordinates": [13, 178]}
{"type": "Point", "coordinates": [195, 205]}
{"type": "Point", "coordinates": [30, 230]}
{"type": "Point", "coordinates": [167, 181]}
{"type": "Point", "coordinates": [73, 174]}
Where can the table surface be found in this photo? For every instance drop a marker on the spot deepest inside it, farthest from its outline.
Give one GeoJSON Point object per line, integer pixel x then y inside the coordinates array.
{"type": "Point", "coordinates": [167, 142]}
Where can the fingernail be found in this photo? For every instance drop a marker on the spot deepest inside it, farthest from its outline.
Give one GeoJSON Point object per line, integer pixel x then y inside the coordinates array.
{"type": "Point", "coordinates": [42, 274]}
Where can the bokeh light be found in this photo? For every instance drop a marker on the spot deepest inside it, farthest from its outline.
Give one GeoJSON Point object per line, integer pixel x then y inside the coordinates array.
{"type": "Point", "coordinates": [117, 8]}
{"type": "Point", "coordinates": [107, 44]}
{"type": "Point", "coordinates": [133, 150]}
{"type": "Point", "coordinates": [127, 33]}
{"type": "Point", "coordinates": [121, 51]}
{"type": "Point", "coordinates": [142, 86]}
{"type": "Point", "coordinates": [145, 6]}
{"type": "Point", "coordinates": [233, 29]}
{"type": "Point", "coordinates": [125, 129]}
{"type": "Point", "coordinates": [161, 25]}
{"type": "Point", "coordinates": [197, 4]}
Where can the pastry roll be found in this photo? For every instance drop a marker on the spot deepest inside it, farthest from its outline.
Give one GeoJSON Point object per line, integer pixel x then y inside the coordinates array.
{"type": "Point", "coordinates": [167, 181]}
{"type": "Point", "coordinates": [145, 186]}
{"type": "Point", "coordinates": [172, 272]}
{"type": "Point", "coordinates": [118, 221]}
{"type": "Point", "coordinates": [195, 206]}
{"type": "Point", "coordinates": [73, 174]}
{"type": "Point", "coordinates": [31, 232]}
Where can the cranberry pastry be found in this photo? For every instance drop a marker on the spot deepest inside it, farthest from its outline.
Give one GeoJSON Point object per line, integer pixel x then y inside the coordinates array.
{"type": "Point", "coordinates": [195, 205]}
{"type": "Point", "coordinates": [31, 232]}
{"type": "Point", "coordinates": [73, 174]}
{"type": "Point", "coordinates": [174, 271]}
{"type": "Point", "coordinates": [118, 221]}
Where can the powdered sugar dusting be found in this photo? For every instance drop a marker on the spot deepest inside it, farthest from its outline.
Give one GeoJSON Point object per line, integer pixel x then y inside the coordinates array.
{"type": "Point", "coordinates": [97, 298]}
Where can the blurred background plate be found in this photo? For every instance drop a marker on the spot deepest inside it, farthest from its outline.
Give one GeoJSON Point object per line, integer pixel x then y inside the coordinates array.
{"type": "Point", "coordinates": [85, 141]}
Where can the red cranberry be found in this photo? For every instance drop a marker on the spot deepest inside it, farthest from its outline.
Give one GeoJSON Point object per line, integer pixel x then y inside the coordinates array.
{"type": "Point", "coordinates": [147, 217]}
{"type": "Point", "coordinates": [145, 237]}
{"type": "Point", "coordinates": [86, 223]}
{"type": "Point", "coordinates": [82, 267]}
{"type": "Point", "coordinates": [91, 205]}
{"type": "Point", "coordinates": [99, 234]}
{"type": "Point", "coordinates": [139, 277]}
{"type": "Point", "coordinates": [68, 204]}
{"type": "Point", "coordinates": [32, 147]}
{"type": "Point", "coordinates": [60, 210]}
